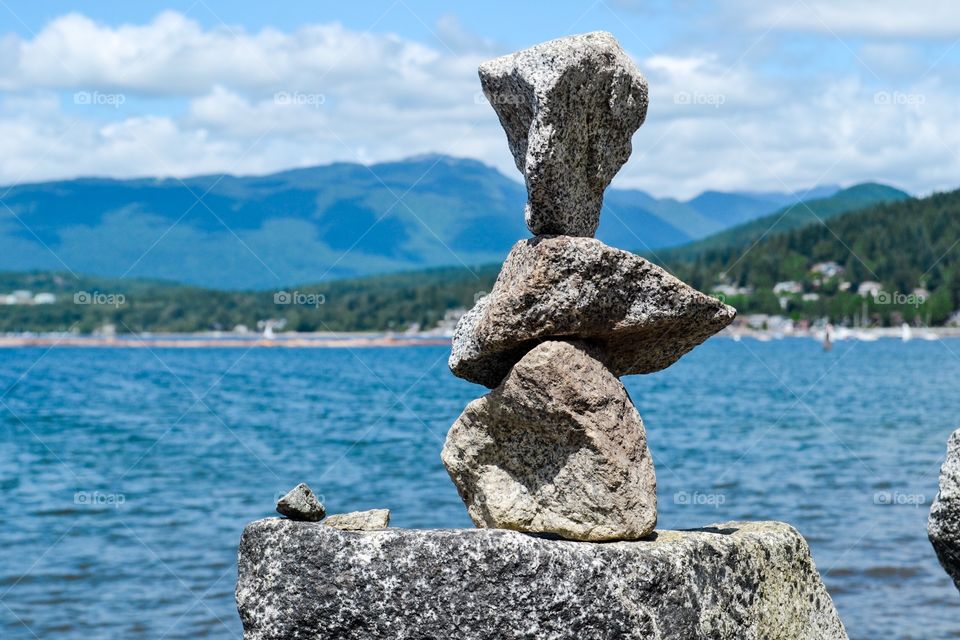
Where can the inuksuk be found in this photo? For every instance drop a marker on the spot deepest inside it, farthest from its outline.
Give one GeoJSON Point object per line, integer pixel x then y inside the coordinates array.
{"type": "Point", "coordinates": [553, 463]}
{"type": "Point", "coordinates": [558, 447]}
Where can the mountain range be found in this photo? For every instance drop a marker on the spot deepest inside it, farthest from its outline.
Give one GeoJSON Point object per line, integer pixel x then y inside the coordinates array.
{"type": "Point", "coordinates": [904, 247]}
{"type": "Point", "coordinates": [793, 216]}
{"type": "Point", "coordinates": [328, 222]}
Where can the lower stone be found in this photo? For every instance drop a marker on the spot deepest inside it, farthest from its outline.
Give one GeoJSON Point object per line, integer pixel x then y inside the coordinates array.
{"type": "Point", "coordinates": [944, 524]}
{"type": "Point", "coordinates": [557, 448]}
{"type": "Point", "coordinates": [727, 581]}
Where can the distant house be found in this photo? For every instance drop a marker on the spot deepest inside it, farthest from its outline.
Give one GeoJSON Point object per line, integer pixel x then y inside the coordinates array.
{"type": "Point", "coordinates": [788, 286]}
{"type": "Point", "coordinates": [869, 288]}
{"type": "Point", "coordinates": [811, 297]}
{"type": "Point", "coordinates": [827, 269]}
{"type": "Point", "coordinates": [730, 290]}
{"type": "Point", "coordinates": [44, 298]}
{"type": "Point", "coordinates": [17, 297]}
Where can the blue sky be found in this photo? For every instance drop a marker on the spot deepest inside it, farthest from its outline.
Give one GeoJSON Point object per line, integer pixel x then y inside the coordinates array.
{"type": "Point", "coordinates": [745, 94]}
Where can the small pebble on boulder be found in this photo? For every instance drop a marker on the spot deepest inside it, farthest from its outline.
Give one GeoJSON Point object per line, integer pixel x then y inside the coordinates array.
{"type": "Point", "coordinates": [943, 527]}
{"type": "Point", "coordinates": [557, 448]}
{"type": "Point", "coordinates": [371, 520]}
{"type": "Point", "coordinates": [569, 107]}
{"type": "Point", "coordinates": [301, 504]}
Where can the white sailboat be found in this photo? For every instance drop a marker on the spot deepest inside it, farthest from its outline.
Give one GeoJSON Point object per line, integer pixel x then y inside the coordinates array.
{"type": "Point", "coordinates": [906, 333]}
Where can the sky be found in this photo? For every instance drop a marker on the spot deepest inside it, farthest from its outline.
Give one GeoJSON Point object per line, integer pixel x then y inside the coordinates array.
{"type": "Point", "coordinates": [744, 94]}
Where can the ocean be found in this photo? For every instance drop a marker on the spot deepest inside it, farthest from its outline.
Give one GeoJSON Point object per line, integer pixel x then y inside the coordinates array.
{"type": "Point", "coordinates": [128, 475]}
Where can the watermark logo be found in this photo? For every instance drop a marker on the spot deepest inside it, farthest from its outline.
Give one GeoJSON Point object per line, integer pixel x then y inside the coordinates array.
{"type": "Point", "coordinates": [895, 498]}
{"type": "Point", "coordinates": [899, 98]}
{"type": "Point", "coordinates": [99, 298]}
{"type": "Point", "coordinates": [715, 100]}
{"type": "Point", "coordinates": [99, 99]}
{"type": "Point", "coordinates": [299, 99]}
{"type": "Point", "coordinates": [298, 298]}
{"type": "Point", "coordinates": [687, 498]}
{"type": "Point", "coordinates": [904, 299]}
{"type": "Point", "coordinates": [513, 99]}
{"type": "Point", "coordinates": [98, 499]}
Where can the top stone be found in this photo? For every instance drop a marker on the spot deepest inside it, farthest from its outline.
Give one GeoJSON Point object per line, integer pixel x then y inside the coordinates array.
{"type": "Point", "coordinates": [569, 107]}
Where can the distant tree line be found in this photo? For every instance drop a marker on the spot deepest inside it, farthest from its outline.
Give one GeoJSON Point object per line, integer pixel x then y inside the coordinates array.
{"type": "Point", "coordinates": [391, 302]}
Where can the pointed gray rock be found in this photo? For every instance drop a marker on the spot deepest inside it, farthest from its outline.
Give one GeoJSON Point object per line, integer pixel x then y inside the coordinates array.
{"type": "Point", "coordinates": [557, 448]}
{"type": "Point", "coordinates": [569, 107]}
{"type": "Point", "coordinates": [943, 527]}
{"type": "Point", "coordinates": [565, 287]}
{"type": "Point", "coordinates": [360, 520]}
{"type": "Point", "coordinates": [301, 504]}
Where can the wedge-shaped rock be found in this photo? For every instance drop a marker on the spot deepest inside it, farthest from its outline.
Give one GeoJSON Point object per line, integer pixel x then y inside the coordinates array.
{"type": "Point", "coordinates": [569, 107]}
{"type": "Point", "coordinates": [944, 524]}
{"type": "Point", "coordinates": [580, 288]}
{"type": "Point", "coordinates": [557, 448]}
{"type": "Point", "coordinates": [730, 581]}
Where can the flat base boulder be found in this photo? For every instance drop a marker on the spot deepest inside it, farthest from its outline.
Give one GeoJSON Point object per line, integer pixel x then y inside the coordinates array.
{"type": "Point", "coordinates": [943, 526]}
{"type": "Point", "coordinates": [557, 448]}
{"type": "Point", "coordinates": [736, 581]}
{"type": "Point", "coordinates": [557, 287]}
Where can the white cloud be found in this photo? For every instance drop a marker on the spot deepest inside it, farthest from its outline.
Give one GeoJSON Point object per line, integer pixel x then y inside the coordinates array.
{"type": "Point", "coordinates": [836, 132]}
{"type": "Point", "coordinates": [195, 100]}
{"type": "Point", "coordinates": [899, 18]}
{"type": "Point", "coordinates": [456, 38]}
{"type": "Point", "coordinates": [199, 100]}
{"type": "Point", "coordinates": [700, 86]}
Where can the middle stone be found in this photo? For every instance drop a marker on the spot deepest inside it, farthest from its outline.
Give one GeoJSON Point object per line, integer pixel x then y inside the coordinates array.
{"type": "Point", "coordinates": [557, 448]}
{"type": "Point", "coordinates": [561, 287]}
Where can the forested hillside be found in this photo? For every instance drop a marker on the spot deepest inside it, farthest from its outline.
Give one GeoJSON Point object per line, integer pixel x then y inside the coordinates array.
{"type": "Point", "coordinates": [904, 246]}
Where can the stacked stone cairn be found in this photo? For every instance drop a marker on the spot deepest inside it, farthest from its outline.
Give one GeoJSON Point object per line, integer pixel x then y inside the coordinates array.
{"type": "Point", "coordinates": [557, 447]}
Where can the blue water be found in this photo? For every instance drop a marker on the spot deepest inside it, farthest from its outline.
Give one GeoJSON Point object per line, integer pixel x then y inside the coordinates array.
{"type": "Point", "coordinates": [127, 475]}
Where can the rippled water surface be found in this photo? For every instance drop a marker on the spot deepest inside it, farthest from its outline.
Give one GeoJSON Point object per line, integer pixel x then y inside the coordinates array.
{"type": "Point", "coordinates": [128, 474]}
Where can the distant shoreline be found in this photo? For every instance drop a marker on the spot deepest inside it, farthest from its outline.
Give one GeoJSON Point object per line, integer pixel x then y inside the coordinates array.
{"type": "Point", "coordinates": [333, 340]}
{"type": "Point", "coordinates": [222, 341]}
